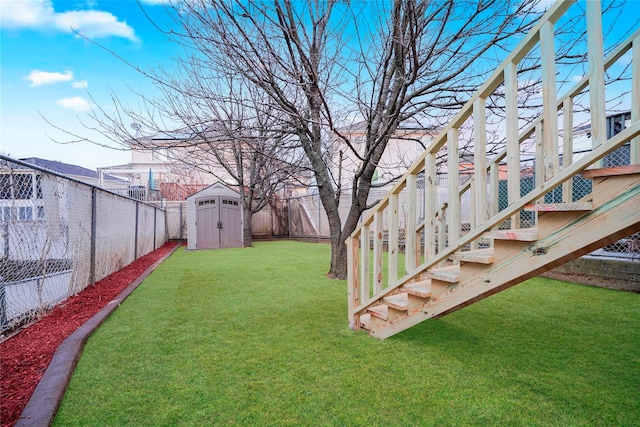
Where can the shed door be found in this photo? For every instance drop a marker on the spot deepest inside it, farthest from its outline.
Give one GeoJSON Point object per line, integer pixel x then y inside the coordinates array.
{"type": "Point", "coordinates": [208, 216]}
{"type": "Point", "coordinates": [230, 217]}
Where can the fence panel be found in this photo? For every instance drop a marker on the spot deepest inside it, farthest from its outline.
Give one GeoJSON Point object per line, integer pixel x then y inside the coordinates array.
{"type": "Point", "coordinates": [58, 235]}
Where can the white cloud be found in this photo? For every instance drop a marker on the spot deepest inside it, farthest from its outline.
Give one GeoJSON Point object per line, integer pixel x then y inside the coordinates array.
{"type": "Point", "coordinates": [40, 14]}
{"type": "Point", "coordinates": [81, 84]}
{"type": "Point", "coordinates": [39, 78]}
{"type": "Point", "coordinates": [76, 103]}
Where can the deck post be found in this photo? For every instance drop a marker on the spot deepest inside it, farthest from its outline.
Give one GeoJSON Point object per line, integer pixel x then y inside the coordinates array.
{"type": "Point", "coordinates": [596, 76]}
{"type": "Point", "coordinates": [453, 172]}
{"type": "Point", "coordinates": [635, 98]}
{"type": "Point", "coordinates": [429, 206]}
{"type": "Point", "coordinates": [549, 102]}
{"type": "Point", "coordinates": [513, 138]}
{"type": "Point", "coordinates": [353, 299]}
{"type": "Point", "coordinates": [567, 147]}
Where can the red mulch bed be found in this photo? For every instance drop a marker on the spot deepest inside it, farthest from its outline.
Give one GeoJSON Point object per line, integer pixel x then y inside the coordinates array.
{"type": "Point", "coordinates": [26, 355]}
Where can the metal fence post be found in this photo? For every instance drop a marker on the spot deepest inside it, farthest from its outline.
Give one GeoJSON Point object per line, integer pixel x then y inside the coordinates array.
{"type": "Point", "coordinates": [135, 250]}
{"type": "Point", "coordinates": [94, 228]}
{"type": "Point", "coordinates": [155, 220]}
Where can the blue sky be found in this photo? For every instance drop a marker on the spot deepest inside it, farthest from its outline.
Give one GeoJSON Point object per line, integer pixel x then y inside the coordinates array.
{"type": "Point", "coordinates": [49, 71]}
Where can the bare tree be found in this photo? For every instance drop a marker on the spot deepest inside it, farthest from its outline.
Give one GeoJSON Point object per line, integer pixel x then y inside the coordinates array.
{"type": "Point", "coordinates": [325, 64]}
{"type": "Point", "coordinates": [233, 134]}
{"type": "Point", "coordinates": [219, 126]}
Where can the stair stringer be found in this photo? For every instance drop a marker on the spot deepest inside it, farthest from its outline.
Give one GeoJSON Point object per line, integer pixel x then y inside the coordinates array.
{"type": "Point", "coordinates": [563, 236]}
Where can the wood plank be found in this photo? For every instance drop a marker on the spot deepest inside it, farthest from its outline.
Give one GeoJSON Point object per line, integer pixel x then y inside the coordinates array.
{"type": "Point", "coordinates": [559, 207]}
{"type": "Point", "coordinates": [549, 96]}
{"type": "Point", "coordinates": [398, 301]}
{"type": "Point", "coordinates": [613, 171]}
{"type": "Point", "coordinates": [478, 256]}
{"type": "Point", "coordinates": [378, 228]}
{"type": "Point", "coordinates": [453, 182]}
{"type": "Point", "coordinates": [513, 138]}
{"type": "Point", "coordinates": [430, 206]}
{"type": "Point", "coordinates": [393, 238]}
{"type": "Point", "coordinates": [567, 146]}
{"type": "Point", "coordinates": [420, 289]}
{"type": "Point", "coordinates": [519, 234]}
{"type": "Point", "coordinates": [479, 205]}
{"type": "Point", "coordinates": [596, 75]}
{"type": "Point", "coordinates": [450, 274]}
{"type": "Point", "coordinates": [635, 98]}
{"type": "Point", "coordinates": [365, 321]}
{"type": "Point", "coordinates": [365, 283]}
{"type": "Point", "coordinates": [353, 268]}
{"type": "Point", "coordinates": [380, 311]}
{"type": "Point", "coordinates": [410, 224]}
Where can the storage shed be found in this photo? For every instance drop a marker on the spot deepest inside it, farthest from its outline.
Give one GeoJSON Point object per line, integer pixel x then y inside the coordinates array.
{"type": "Point", "coordinates": [214, 218]}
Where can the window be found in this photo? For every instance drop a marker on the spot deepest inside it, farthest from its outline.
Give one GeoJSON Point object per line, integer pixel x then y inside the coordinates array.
{"type": "Point", "coordinates": [23, 186]}
{"type": "Point", "coordinates": [25, 213]}
{"type": "Point", "coordinates": [5, 187]}
{"type": "Point", "coordinates": [39, 186]}
{"type": "Point", "coordinates": [8, 213]}
{"type": "Point", "coordinates": [40, 212]}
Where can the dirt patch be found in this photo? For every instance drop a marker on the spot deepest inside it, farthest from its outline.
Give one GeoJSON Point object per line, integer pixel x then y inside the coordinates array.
{"type": "Point", "coordinates": [600, 282]}
{"type": "Point", "coordinates": [26, 355]}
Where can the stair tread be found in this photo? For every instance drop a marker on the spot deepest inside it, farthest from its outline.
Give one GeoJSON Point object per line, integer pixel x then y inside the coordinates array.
{"type": "Point", "coordinates": [613, 171]}
{"type": "Point", "coordinates": [480, 256]}
{"type": "Point", "coordinates": [365, 321]}
{"type": "Point", "coordinates": [560, 207]}
{"type": "Point", "coordinates": [420, 289]}
{"type": "Point", "coordinates": [398, 301]}
{"type": "Point", "coordinates": [519, 234]}
{"type": "Point", "coordinates": [381, 311]}
{"type": "Point", "coordinates": [449, 274]}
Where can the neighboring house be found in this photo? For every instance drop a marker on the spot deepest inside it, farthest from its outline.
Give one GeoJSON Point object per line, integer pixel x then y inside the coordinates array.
{"type": "Point", "coordinates": [407, 144]}
{"type": "Point", "coordinates": [77, 172]}
{"type": "Point", "coordinates": [21, 188]}
{"type": "Point", "coordinates": [155, 167]}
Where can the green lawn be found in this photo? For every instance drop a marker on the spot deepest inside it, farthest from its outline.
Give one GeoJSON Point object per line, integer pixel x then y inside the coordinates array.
{"type": "Point", "coordinates": [247, 337]}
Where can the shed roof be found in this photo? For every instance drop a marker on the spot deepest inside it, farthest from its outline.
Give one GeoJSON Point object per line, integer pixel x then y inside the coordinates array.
{"type": "Point", "coordinates": [216, 189]}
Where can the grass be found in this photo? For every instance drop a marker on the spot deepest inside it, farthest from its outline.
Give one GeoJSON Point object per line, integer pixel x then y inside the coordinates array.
{"type": "Point", "coordinates": [245, 337]}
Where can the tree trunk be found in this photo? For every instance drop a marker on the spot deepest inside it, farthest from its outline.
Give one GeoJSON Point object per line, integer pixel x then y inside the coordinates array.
{"type": "Point", "coordinates": [247, 228]}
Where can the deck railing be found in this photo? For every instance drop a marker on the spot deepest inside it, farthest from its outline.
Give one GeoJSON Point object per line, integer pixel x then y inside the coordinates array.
{"type": "Point", "coordinates": [430, 239]}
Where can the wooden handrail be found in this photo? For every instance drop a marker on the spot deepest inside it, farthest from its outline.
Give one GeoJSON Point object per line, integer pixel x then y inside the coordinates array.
{"type": "Point", "coordinates": [486, 216]}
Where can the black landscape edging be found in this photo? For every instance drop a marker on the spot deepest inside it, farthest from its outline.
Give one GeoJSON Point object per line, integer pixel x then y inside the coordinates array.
{"type": "Point", "coordinates": [47, 396]}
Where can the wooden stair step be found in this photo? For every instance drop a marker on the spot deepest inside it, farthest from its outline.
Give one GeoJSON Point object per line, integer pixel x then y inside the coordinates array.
{"type": "Point", "coordinates": [365, 321]}
{"type": "Point", "coordinates": [420, 289]}
{"type": "Point", "coordinates": [612, 171]}
{"type": "Point", "coordinates": [449, 274]}
{"type": "Point", "coordinates": [519, 234]}
{"type": "Point", "coordinates": [381, 311]}
{"type": "Point", "coordinates": [479, 256]}
{"type": "Point", "coordinates": [398, 301]}
{"type": "Point", "coordinates": [560, 207]}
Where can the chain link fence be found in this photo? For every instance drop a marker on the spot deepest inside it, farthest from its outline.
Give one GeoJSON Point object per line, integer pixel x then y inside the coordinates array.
{"type": "Point", "coordinates": [58, 235]}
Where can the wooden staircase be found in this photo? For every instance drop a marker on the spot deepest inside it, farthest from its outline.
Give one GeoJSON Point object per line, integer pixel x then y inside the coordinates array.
{"type": "Point", "coordinates": [445, 269]}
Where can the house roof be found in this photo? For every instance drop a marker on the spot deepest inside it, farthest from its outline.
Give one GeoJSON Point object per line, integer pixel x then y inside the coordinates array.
{"type": "Point", "coordinates": [68, 169]}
